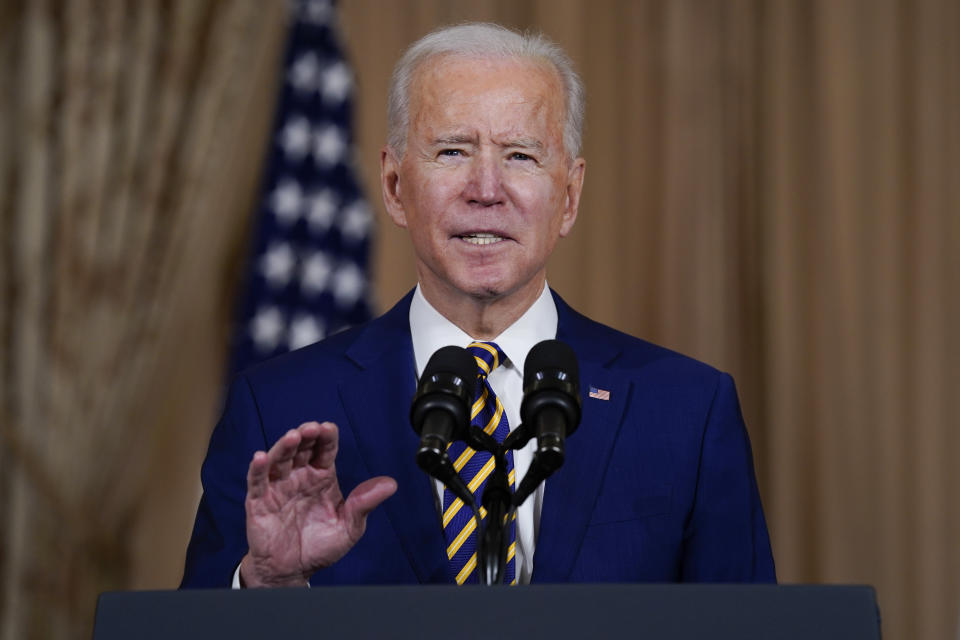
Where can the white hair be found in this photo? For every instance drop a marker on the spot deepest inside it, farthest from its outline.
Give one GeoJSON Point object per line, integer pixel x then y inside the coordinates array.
{"type": "Point", "coordinates": [483, 40]}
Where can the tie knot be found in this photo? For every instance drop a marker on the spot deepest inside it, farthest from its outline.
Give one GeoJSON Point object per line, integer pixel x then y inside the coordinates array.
{"type": "Point", "coordinates": [488, 356]}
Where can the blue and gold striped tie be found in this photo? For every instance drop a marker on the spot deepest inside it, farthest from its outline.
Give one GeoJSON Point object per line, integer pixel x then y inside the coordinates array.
{"type": "Point", "coordinates": [459, 524]}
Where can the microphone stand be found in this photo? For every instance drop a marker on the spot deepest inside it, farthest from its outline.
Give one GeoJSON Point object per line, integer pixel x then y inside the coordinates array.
{"type": "Point", "coordinates": [492, 543]}
{"type": "Point", "coordinates": [499, 501]}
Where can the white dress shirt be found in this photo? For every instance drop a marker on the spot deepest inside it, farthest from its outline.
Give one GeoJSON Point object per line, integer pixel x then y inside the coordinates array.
{"type": "Point", "coordinates": [431, 331]}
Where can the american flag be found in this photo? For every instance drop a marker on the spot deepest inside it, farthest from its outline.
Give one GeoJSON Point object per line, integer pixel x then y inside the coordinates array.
{"type": "Point", "coordinates": [599, 394]}
{"type": "Point", "coordinates": [308, 273]}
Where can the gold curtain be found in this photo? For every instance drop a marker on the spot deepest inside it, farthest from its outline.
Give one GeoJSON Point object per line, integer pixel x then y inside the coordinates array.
{"type": "Point", "coordinates": [131, 136]}
{"type": "Point", "coordinates": [771, 187]}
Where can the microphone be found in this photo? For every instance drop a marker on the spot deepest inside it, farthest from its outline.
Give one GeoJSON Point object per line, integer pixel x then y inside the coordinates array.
{"type": "Point", "coordinates": [550, 410]}
{"type": "Point", "coordinates": [440, 414]}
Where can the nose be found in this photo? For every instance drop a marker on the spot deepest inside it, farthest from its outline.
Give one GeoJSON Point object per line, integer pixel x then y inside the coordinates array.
{"type": "Point", "coordinates": [485, 183]}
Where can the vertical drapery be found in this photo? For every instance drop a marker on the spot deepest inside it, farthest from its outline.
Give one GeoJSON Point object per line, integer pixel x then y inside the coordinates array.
{"type": "Point", "coordinates": [771, 187]}
{"type": "Point", "coordinates": [860, 244]}
{"type": "Point", "coordinates": [131, 138]}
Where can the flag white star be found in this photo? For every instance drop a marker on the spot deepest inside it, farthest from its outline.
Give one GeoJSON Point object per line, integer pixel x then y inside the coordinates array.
{"type": "Point", "coordinates": [321, 209]}
{"type": "Point", "coordinates": [267, 329]}
{"type": "Point", "coordinates": [277, 264]}
{"type": "Point", "coordinates": [315, 11]}
{"type": "Point", "coordinates": [309, 275]}
{"type": "Point", "coordinates": [295, 137]}
{"type": "Point", "coordinates": [315, 273]}
{"type": "Point", "coordinates": [329, 145]}
{"type": "Point", "coordinates": [335, 83]}
{"type": "Point", "coordinates": [305, 73]}
{"type": "Point", "coordinates": [286, 201]}
{"type": "Point", "coordinates": [304, 330]}
{"type": "Point", "coordinates": [348, 284]}
{"type": "Point", "coordinates": [356, 221]}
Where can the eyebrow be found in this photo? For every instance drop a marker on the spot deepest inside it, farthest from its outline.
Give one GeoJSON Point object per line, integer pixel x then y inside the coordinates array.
{"type": "Point", "coordinates": [524, 143]}
{"type": "Point", "coordinates": [518, 143]}
{"type": "Point", "coordinates": [455, 139]}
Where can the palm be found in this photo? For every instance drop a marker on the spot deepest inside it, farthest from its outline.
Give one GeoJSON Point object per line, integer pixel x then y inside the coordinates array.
{"type": "Point", "coordinates": [297, 519]}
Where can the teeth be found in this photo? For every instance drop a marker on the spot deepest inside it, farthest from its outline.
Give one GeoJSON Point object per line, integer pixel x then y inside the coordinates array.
{"type": "Point", "coordinates": [481, 238]}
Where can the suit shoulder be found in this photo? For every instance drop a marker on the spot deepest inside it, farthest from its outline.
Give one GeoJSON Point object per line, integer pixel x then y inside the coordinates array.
{"type": "Point", "coordinates": [341, 352]}
{"type": "Point", "coordinates": [629, 354]}
{"type": "Point", "coordinates": [327, 355]}
{"type": "Point", "coordinates": [345, 350]}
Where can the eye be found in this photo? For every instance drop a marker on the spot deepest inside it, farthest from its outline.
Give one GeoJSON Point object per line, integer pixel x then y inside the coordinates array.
{"type": "Point", "coordinates": [451, 153]}
{"type": "Point", "coordinates": [517, 155]}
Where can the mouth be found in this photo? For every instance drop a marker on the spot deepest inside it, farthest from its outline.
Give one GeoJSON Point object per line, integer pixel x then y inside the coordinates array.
{"type": "Point", "coordinates": [481, 238]}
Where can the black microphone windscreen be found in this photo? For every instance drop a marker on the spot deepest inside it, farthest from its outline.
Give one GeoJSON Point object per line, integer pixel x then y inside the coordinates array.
{"type": "Point", "coordinates": [551, 355]}
{"type": "Point", "coordinates": [455, 360]}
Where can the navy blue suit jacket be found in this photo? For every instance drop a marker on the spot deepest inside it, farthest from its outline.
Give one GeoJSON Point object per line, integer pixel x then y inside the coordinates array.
{"type": "Point", "coordinates": [658, 484]}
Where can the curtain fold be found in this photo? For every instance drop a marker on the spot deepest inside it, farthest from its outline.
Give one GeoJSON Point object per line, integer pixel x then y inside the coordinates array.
{"type": "Point", "coordinates": [127, 160]}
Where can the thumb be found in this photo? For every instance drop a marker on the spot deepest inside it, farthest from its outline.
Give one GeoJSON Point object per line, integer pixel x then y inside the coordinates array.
{"type": "Point", "coordinates": [366, 497]}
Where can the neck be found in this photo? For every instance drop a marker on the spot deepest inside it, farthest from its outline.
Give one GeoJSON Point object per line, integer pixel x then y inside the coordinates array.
{"type": "Point", "coordinates": [480, 317]}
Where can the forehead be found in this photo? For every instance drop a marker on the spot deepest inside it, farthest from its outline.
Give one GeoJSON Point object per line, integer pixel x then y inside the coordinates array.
{"type": "Point", "coordinates": [457, 90]}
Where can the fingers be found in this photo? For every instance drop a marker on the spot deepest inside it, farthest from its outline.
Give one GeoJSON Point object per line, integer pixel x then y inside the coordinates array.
{"type": "Point", "coordinates": [257, 475]}
{"type": "Point", "coordinates": [325, 446]}
{"type": "Point", "coordinates": [281, 454]}
{"type": "Point", "coordinates": [310, 443]}
{"type": "Point", "coordinates": [366, 497]}
{"type": "Point", "coordinates": [310, 434]}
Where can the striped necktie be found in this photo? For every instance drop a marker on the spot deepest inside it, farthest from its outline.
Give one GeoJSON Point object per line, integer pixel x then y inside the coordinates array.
{"type": "Point", "coordinates": [459, 524]}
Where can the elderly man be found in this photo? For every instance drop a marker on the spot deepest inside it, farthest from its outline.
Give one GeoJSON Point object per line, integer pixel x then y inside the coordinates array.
{"type": "Point", "coordinates": [482, 169]}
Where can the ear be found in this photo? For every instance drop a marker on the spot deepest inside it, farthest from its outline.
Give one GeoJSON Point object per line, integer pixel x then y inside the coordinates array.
{"type": "Point", "coordinates": [390, 186]}
{"type": "Point", "coordinates": [572, 202]}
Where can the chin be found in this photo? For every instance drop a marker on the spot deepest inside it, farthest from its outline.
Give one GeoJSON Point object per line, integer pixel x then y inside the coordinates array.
{"type": "Point", "coordinates": [483, 290]}
{"type": "Point", "coordinates": [492, 289]}
{"type": "Point", "coordinates": [488, 283]}
{"type": "Point", "coordinates": [487, 293]}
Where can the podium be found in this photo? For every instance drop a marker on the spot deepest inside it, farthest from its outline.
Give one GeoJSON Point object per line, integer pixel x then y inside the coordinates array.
{"type": "Point", "coordinates": [649, 612]}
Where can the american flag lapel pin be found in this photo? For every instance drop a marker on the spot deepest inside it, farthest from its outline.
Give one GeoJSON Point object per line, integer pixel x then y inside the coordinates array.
{"type": "Point", "coordinates": [599, 394]}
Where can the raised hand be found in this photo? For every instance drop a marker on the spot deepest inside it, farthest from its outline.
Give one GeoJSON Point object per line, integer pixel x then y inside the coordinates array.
{"type": "Point", "coordinates": [297, 519]}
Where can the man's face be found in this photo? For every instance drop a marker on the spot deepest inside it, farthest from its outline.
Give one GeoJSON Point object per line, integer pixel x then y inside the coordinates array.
{"type": "Point", "coordinates": [485, 186]}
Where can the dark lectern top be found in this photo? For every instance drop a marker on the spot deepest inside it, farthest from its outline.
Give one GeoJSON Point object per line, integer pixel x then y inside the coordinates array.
{"type": "Point", "coordinates": [652, 612]}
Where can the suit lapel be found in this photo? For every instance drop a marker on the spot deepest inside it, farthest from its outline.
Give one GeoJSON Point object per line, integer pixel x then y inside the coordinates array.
{"type": "Point", "coordinates": [376, 398]}
{"type": "Point", "coordinates": [570, 494]}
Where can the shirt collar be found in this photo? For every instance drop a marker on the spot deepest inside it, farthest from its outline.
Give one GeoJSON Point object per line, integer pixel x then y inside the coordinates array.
{"type": "Point", "coordinates": [431, 331]}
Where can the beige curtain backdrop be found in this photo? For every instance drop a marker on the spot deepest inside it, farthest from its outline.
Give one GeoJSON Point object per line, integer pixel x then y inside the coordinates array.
{"type": "Point", "coordinates": [771, 187]}
{"type": "Point", "coordinates": [131, 135]}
